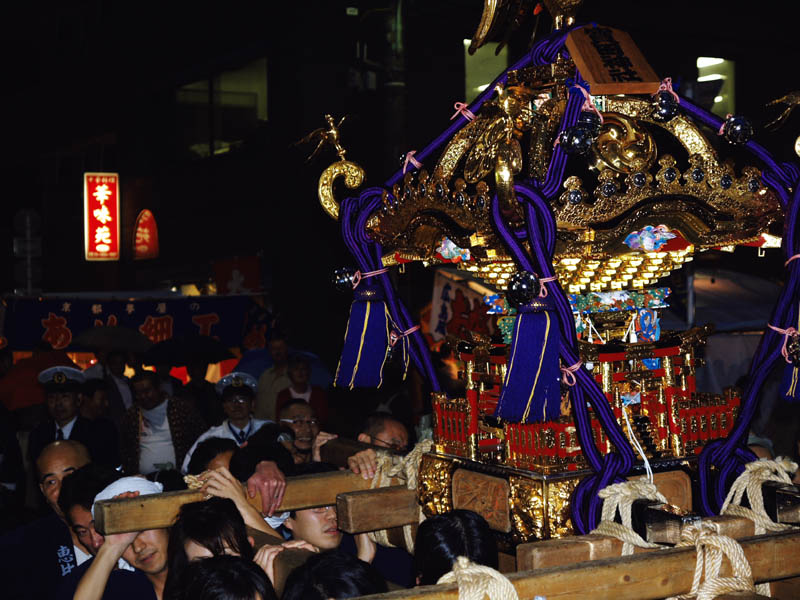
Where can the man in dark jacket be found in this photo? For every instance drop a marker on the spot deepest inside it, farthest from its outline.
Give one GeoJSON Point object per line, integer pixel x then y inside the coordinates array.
{"type": "Point", "coordinates": [62, 387]}
{"type": "Point", "coordinates": [39, 555]}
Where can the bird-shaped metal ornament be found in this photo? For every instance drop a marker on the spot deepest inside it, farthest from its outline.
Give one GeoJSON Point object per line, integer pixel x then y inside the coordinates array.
{"type": "Point", "coordinates": [353, 173]}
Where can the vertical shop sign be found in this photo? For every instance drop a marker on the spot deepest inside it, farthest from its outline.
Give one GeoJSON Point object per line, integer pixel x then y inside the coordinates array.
{"type": "Point", "coordinates": [101, 216]}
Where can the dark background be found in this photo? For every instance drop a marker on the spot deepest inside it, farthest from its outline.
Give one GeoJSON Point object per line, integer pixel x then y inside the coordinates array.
{"type": "Point", "coordinates": [91, 86]}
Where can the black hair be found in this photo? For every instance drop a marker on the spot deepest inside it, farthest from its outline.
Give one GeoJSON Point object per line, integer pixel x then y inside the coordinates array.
{"type": "Point", "coordinates": [441, 539]}
{"type": "Point", "coordinates": [294, 402]}
{"type": "Point", "coordinates": [143, 375]}
{"type": "Point", "coordinates": [221, 578]}
{"type": "Point", "coordinates": [260, 447]}
{"type": "Point", "coordinates": [333, 574]}
{"type": "Point", "coordinates": [375, 423]}
{"type": "Point", "coordinates": [299, 359]}
{"type": "Point", "coordinates": [81, 486]}
{"type": "Point", "coordinates": [206, 450]}
{"type": "Point", "coordinates": [215, 524]}
{"type": "Point", "coordinates": [171, 479]}
{"type": "Point", "coordinates": [93, 385]}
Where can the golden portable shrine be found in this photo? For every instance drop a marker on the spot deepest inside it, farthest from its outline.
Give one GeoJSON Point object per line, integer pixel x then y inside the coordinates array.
{"type": "Point", "coordinates": [571, 187]}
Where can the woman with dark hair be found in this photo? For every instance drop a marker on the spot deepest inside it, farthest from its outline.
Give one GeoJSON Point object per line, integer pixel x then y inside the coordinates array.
{"type": "Point", "coordinates": [213, 527]}
{"type": "Point", "coordinates": [211, 453]}
{"type": "Point", "coordinates": [443, 538]}
{"type": "Point", "coordinates": [333, 574]}
{"type": "Point", "coordinates": [222, 578]}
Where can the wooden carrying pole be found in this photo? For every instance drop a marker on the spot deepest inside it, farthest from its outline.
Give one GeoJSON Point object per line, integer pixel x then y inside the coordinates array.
{"type": "Point", "coordinates": [159, 510]}
{"type": "Point", "coordinates": [639, 577]}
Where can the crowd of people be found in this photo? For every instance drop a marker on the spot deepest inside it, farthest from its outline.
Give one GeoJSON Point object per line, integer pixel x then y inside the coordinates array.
{"type": "Point", "coordinates": [103, 436]}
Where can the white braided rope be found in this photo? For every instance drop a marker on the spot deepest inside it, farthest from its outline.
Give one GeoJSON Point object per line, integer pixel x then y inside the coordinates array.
{"type": "Point", "coordinates": [407, 469]}
{"type": "Point", "coordinates": [711, 547]}
{"type": "Point", "coordinates": [620, 497]}
{"type": "Point", "coordinates": [476, 582]}
{"type": "Point", "coordinates": [750, 482]}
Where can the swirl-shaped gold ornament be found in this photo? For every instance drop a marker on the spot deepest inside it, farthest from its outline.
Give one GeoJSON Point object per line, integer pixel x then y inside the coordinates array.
{"type": "Point", "coordinates": [353, 177]}
{"type": "Point", "coordinates": [623, 145]}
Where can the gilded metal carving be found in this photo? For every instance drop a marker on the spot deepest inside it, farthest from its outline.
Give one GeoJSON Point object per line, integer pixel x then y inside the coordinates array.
{"type": "Point", "coordinates": [352, 173]}
{"type": "Point", "coordinates": [623, 145]}
{"type": "Point", "coordinates": [559, 491]}
{"type": "Point", "coordinates": [527, 508]}
{"type": "Point", "coordinates": [353, 177]}
{"type": "Point", "coordinates": [435, 478]}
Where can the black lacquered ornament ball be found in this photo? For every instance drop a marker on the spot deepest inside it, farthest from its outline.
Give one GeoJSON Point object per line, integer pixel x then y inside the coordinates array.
{"type": "Point", "coordinates": [577, 139]}
{"type": "Point", "coordinates": [793, 350]}
{"type": "Point", "coordinates": [343, 279]}
{"type": "Point", "coordinates": [665, 107]}
{"type": "Point", "coordinates": [738, 130]}
{"type": "Point", "coordinates": [523, 287]}
{"type": "Point", "coordinates": [590, 120]}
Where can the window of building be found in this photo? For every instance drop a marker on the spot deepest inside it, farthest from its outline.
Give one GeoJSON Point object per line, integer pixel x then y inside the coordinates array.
{"type": "Point", "coordinates": [481, 68]}
{"type": "Point", "coordinates": [217, 115]}
{"type": "Point", "coordinates": [716, 84]}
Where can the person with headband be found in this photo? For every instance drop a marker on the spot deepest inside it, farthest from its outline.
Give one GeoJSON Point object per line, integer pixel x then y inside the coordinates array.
{"type": "Point", "coordinates": [127, 565]}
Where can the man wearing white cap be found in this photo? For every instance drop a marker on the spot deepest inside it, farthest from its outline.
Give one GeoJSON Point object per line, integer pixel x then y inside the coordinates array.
{"type": "Point", "coordinates": [238, 391]}
{"type": "Point", "coordinates": [62, 387]}
{"type": "Point", "coordinates": [127, 565]}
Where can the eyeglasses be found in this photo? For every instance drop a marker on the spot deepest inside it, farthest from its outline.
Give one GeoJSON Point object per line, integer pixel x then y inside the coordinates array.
{"type": "Point", "coordinates": [300, 421]}
{"type": "Point", "coordinates": [399, 446]}
{"type": "Point", "coordinates": [236, 400]}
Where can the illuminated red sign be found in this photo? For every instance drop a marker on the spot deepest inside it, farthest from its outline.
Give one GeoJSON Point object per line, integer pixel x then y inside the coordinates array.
{"type": "Point", "coordinates": [145, 236]}
{"type": "Point", "coordinates": [101, 216]}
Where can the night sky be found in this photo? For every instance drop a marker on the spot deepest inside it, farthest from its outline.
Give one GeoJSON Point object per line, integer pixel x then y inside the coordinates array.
{"type": "Point", "coordinates": [90, 86]}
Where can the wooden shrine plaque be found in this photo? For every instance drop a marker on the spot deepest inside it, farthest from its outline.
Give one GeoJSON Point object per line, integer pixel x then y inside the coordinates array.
{"type": "Point", "coordinates": [485, 495]}
{"type": "Point", "coordinates": [610, 61]}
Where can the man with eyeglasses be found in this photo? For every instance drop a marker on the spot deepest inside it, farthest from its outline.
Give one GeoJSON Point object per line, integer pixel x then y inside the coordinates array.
{"type": "Point", "coordinates": [383, 430]}
{"type": "Point", "coordinates": [300, 417]}
{"type": "Point", "coordinates": [238, 391]}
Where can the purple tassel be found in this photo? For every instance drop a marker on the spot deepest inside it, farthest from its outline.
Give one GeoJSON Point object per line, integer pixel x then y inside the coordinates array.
{"type": "Point", "coordinates": [532, 390]}
{"type": "Point", "coordinates": [366, 340]}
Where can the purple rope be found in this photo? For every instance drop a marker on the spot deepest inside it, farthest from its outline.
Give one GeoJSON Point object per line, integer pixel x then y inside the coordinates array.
{"type": "Point", "coordinates": [729, 455]}
{"type": "Point", "coordinates": [543, 52]}
{"type": "Point", "coordinates": [586, 506]}
{"type": "Point", "coordinates": [360, 245]}
{"type": "Point", "coordinates": [786, 172]}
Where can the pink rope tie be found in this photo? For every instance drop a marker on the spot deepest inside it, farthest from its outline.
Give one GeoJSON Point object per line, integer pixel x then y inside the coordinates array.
{"type": "Point", "coordinates": [568, 373]}
{"type": "Point", "coordinates": [543, 289]}
{"type": "Point", "coordinates": [359, 275]}
{"type": "Point", "coordinates": [786, 264]}
{"type": "Point", "coordinates": [395, 337]}
{"type": "Point", "coordinates": [410, 159]}
{"type": "Point", "coordinates": [666, 86]}
{"type": "Point", "coordinates": [722, 127]}
{"type": "Point", "coordinates": [588, 104]}
{"type": "Point", "coordinates": [461, 109]}
{"type": "Point", "coordinates": [786, 333]}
